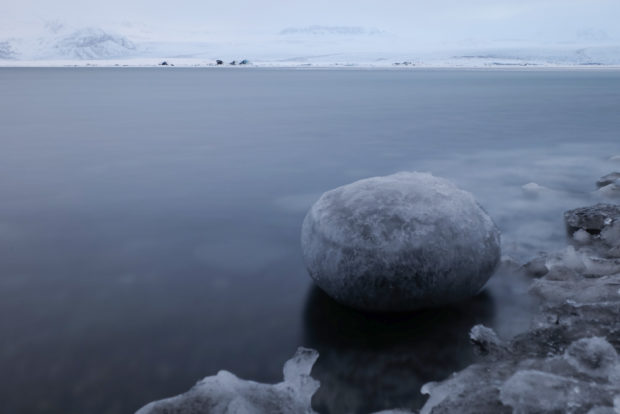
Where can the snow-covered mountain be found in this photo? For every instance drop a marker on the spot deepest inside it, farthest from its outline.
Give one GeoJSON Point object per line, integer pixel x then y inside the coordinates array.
{"type": "Point", "coordinates": [55, 40]}
{"type": "Point", "coordinates": [6, 50]}
{"type": "Point", "coordinates": [93, 43]}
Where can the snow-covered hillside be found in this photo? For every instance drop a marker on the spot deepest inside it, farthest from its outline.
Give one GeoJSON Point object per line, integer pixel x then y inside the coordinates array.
{"type": "Point", "coordinates": [54, 41]}
{"type": "Point", "coordinates": [93, 43]}
{"type": "Point", "coordinates": [6, 50]}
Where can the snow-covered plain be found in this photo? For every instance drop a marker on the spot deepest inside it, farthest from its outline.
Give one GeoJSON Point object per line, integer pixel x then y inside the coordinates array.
{"type": "Point", "coordinates": [57, 44]}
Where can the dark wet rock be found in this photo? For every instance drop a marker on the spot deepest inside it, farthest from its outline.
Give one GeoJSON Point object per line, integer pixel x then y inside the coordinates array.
{"type": "Point", "coordinates": [608, 179]}
{"type": "Point", "coordinates": [164, 63]}
{"type": "Point", "coordinates": [398, 243]}
{"type": "Point", "coordinates": [592, 219]}
{"type": "Point", "coordinates": [597, 228]}
{"type": "Point", "coordinates": [244, 62]}
{"type": "Point", "coordinates": [219, 62]}
{"type": "Point", "coordinates": [233, 63]}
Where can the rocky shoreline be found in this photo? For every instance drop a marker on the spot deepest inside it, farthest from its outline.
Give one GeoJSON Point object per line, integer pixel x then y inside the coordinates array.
{"type": "Point", "coordinates": [567, 362]}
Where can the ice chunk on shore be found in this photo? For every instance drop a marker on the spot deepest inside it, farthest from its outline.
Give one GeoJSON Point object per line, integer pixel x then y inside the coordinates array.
{"type": "Point", "coordinates": [603, 410]}
{"type": "Point", "coordinates": [581, 236]}
{"type": "Point", "coordinates": [533, 391]}
{"type": "Point", "coordinates": [486, 340]}
{"type": "Point", "coordinates": [592, 356]}
{"type": "Point", "coordinates": [611, 234]}
{"type": "Point", "coordinates": [585, 260]}
{"type": "Point", "coordinates": [610, 190]}
{"type": "Point", "coordinates": [533, 190]}
{"type": "Point", "coordinates": [225, 393]}
{"type": "Point", "coordinates": [537, 267]}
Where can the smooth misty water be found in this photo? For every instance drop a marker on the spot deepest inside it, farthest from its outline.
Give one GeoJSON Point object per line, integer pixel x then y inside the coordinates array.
{"type": "Point", "coordinates": [150, 219]}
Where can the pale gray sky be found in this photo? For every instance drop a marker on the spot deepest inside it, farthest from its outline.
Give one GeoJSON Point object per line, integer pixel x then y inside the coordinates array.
{"type": "Point", "coordinates": [438, 20]}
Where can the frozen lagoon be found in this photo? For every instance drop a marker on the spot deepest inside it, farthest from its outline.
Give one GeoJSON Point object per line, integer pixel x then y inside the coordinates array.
{"type": "Point", "coordinates": [150, 219]}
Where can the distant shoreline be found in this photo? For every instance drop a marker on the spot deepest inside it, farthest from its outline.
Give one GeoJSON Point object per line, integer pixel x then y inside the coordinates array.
{"type": "Point", "coordinates": [185, 64]}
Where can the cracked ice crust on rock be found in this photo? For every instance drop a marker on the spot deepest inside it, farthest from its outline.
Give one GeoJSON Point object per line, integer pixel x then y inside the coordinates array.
{"type": "Point", "coordinates": [399, 242]}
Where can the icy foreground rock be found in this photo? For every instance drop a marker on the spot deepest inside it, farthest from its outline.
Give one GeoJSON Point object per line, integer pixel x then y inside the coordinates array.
{"type": "Point", "coordinates": [597, 228]}
{"type": "Point", "coordinates": [399, 242]}
{"type": "Point", "coordinates": [224, 393]}
{"type": "Point", "coordinates": [594, 219]}
{"type": "Point", "coordinates": [568, 361]}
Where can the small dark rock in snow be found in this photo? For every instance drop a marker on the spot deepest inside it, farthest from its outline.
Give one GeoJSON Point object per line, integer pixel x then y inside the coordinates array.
{"type": "Point", "coordinates": [219, 62]}
{"type": "Point", "coordinates": [234, 62]}
{"type": "Point", "coordinates": [244, 62]}
{"type": "Point", "coordinates": [164, 63]}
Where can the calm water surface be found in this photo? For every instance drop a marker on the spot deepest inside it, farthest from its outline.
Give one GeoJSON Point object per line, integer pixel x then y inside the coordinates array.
{"type": "Point", "coordinates": [150, 220]}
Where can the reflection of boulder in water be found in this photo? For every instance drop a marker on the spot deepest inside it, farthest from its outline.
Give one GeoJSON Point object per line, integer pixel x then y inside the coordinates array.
{"type": "Point", "coordinates": [370, 362]}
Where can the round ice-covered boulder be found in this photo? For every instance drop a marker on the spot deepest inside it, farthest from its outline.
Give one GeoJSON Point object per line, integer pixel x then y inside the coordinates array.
{"type": "Point", "coordinates": [398, 243]}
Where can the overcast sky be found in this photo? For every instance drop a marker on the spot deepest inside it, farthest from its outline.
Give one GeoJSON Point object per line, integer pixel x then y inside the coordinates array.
{"type": "Point", "coordinates": [438, 20]}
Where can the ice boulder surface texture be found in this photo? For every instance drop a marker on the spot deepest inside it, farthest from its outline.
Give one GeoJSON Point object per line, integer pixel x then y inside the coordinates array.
{"type": "Point", "coordinates": [399, 243]}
